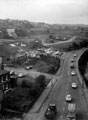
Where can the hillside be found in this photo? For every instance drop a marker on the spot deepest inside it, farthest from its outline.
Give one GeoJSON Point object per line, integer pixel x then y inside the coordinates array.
{"type": "Point", "coordinates": [10, 29]}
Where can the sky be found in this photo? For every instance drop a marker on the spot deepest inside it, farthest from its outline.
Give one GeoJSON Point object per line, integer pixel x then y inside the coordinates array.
{"type": "Point", "coordinates": [48, 11]}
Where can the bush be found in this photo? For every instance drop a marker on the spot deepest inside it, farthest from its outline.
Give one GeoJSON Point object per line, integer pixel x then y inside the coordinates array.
{"type": "Point", "coordinates": [26, 83]}
{"type": "Point", "coordinates": [41, 81]}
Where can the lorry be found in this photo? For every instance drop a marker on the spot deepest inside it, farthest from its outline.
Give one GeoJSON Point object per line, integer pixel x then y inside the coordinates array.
{"type": "Point", "coordinates": [71, 115]}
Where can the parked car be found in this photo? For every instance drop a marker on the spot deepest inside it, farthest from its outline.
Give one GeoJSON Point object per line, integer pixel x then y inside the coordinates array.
{"type": "Point", "coordinates": [28, 67]}
{"type": "Point", "coordinates": [74, 85]}
{"type": "Point", "coordinates": [20, 75]}
{"type": "Point", "coordinates": [68, 98]}
{"type": "Point", "coordinates": [51, 111]}
{"type": "Point", "coordinates": [12, 72]}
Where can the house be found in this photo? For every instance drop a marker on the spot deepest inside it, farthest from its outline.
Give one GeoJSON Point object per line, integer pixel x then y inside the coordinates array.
{"type": "Point", "coordinates": [5, 84]}
{"type": "Point", "coordinates": [4, 80]}
{"type": "Point", "coordinates": [11, 33]}
{"type": "Point", "coordinates": [8, 53]}
{"type": "Point", "coordinates": [1, 97]}
{"type": "Point", "coordinates": [1, 35]}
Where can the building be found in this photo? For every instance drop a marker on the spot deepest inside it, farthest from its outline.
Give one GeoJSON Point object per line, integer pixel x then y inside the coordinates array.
{"type": "Point", "coordinates": [1, 35]}
{"type": "Point", "coordinates": [8, 53]}
{"type": "Point", "coordinates": [6, 84]}
{"type": "Point", "coordinates": [4, 80]}
{"type": "Point", "coordinates": [1, 97]}
{"type": "Point", "coordinates": [11, 33]}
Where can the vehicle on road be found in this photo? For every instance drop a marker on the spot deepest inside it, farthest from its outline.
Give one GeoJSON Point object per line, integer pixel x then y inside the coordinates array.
{"type": "Point", "coordinates": [68, 98]}
{"type": "Point", "coordinates": [73, 73]}
{"type": "Point", "coordinates": [71, 115]}
{"type": "Point", "coordinates": [74, 85]}
{"type": "Point", "coordinates": [72, 65]}
{"type": "Point", "coordinates": [75, 55]}
{"type": "Point", "coordinates": [51, 111]}
{"type": "Point", "coordinates": [72, 60]}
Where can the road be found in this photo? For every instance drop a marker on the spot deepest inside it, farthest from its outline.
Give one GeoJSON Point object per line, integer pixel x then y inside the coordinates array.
{"type": "Point", "coordinates": [60, 42]}
{"type": "Point", "coordinates": [59, 92]}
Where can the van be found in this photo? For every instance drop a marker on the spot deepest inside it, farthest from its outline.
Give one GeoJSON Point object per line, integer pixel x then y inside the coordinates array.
{"type": "Point", "coordinates": [51, 111]}
{"type": "Point", "coordinates": [71, 115]}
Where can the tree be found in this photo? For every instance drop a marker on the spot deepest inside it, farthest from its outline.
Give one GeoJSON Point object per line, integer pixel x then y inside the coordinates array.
{"type": "Point", "coordinates": [41, 81]}
{"type": "Point", "coordinates": [35, 90]}
{"type": "Point", "coordinates": [26, 83]}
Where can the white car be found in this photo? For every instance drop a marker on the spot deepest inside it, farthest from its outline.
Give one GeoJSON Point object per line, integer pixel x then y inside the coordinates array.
{"type": "Point", "coordinates": [73, 73]}
{"type": "Point", "coordinates": [75, 55]}
{"type": "Point", "coordinates": [68, 98]}
{"type": "Point", "coordinates": [72, 65]}
{"type": "Point", "coordinates": [74, 85]}
{"type": "Point", "coordinates": [28, 67]}
{"type": "Point", "coordinates": [72, 60]}
{"type": "Point", "coordinates": [20, 75]}
{"type": "Point", "coordinates": [11, 72]}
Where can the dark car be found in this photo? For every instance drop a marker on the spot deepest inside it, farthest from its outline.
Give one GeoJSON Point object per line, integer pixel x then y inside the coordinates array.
{"type": "Point", "coordinates": [51, 111]}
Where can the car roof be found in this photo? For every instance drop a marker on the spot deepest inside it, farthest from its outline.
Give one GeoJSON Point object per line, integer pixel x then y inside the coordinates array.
{"type": "Point", "coordinates": [74, 83]}
{"type": "Point", "coordinates": [52, 104]}
{"type": "Point", "coordinates": [68, 95]}
{"type": "Point", "coordinates": [71, 107]}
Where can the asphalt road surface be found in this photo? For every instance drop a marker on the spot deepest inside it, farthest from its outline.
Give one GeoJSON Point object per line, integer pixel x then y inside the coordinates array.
{"type": "Point", "coordinates": [59, 92]}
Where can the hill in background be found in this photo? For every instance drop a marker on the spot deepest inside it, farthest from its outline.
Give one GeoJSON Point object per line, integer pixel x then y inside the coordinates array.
{"type": "Point", "coordinates": [23, 29]}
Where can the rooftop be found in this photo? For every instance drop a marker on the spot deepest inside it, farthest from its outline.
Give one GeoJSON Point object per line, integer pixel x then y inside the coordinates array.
{"type": "Point", "coordinates": [2, 72]}
{"type": "Point", "coordinates": [8, 48]}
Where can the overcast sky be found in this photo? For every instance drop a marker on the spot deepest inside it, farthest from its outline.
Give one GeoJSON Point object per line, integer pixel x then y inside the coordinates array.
{"type": "Point", "coordinates": [49, 11]}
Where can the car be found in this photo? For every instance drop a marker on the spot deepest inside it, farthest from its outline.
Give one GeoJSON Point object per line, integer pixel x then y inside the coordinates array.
{"type": "Point", "coordinates": [75, 55]}
{"type": "Point", "coordinates": [72, 65]}
{"type": "Point", "coordinates": [68, 98]}
{"type": "Point", "coordinates": [74, 85]}
{"type": "Point", "coordinates": [72, 60]}
{"type": "Point", "coordinates": [71, 112]}
{"type": "Point", "coordinates": [12, 72]}
{"type": "Point", "coordinates": [73, 73]}
{"type": "Point", "coordinates": [28, 67]}
{"type": "Point", "coordinates": [20, 75]}
{"type": "Point", "coordinates": [51, 111]}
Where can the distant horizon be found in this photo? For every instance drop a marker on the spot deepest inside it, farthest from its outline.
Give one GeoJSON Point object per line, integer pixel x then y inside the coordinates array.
{"type": "Point", "coordinates": [44, 22]}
